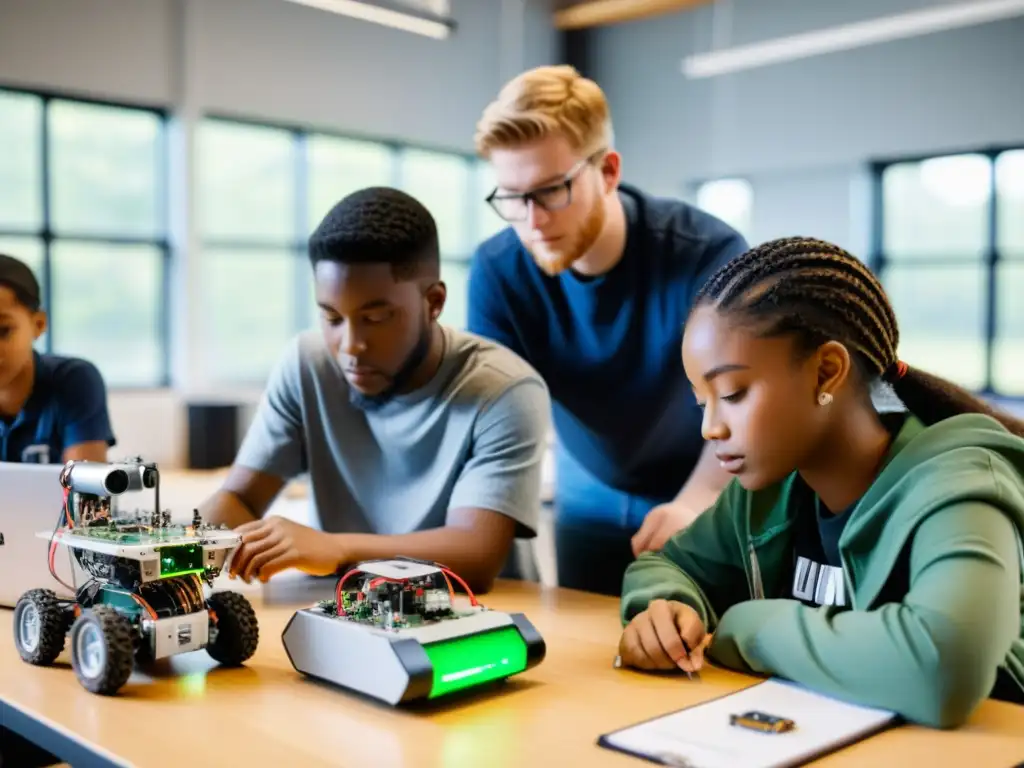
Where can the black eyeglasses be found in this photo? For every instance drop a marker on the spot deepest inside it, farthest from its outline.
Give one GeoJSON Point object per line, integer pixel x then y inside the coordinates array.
{"type": "Point", "coordinates": [515, 206]}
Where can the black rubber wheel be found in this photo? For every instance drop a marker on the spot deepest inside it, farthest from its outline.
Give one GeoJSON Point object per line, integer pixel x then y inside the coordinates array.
{"type": "Point", "coordinates": [40, 627]}
{"type": "Point", "coordinates": [102, 653]}
{"type": "Point", "coordinates": [234, 632]}
{"type": "Point", "coordinates": [144, 652]}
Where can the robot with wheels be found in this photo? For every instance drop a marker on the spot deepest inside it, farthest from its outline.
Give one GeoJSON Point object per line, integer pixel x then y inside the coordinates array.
{"type": "Point", "coordinates": [143, 597]}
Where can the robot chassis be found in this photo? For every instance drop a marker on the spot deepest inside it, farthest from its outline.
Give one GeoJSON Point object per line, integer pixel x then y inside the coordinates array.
{"type": "Point", "coordinates": [400, 619]}
{"type": "Point", "coordinates": [143, 597]}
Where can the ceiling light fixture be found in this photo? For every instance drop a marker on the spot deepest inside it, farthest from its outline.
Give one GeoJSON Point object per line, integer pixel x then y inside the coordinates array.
{"type": "Point", "coordinates": [381, 14]}
{"type": "Point", "coordinates": [849, 36]}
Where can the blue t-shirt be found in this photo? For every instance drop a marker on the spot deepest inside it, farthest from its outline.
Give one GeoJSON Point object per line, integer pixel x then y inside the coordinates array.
{"type": "Point", "coordinates": [68, 406]}
{"type": "Point", "coordinates": [610, 347]}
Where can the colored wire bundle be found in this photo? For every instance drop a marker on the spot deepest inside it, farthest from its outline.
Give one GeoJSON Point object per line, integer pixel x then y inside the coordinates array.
{"type": "Point", "coordinates": [445, 572]}
{"type": "Point", "coordinates": [65, 517]}
{"type": "Point", "coordinates": [184, 594]}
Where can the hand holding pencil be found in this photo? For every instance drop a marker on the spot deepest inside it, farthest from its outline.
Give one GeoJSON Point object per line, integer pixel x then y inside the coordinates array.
{"type": "Point", "coordinates": [668, 635]}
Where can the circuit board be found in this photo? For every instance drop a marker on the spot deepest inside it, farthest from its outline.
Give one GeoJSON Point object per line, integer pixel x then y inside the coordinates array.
{"type": "Point", "coordinates": [131, 533]}
{"type": "Point", "coordinates": [362, 612]}
{"type": "Point", "coordinates": [397, 594]}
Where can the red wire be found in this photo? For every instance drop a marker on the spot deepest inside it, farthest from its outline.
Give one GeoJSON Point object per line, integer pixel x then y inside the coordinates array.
{"type": "Point", "coordinates": [53, 543]}
{"type": "Point", "coordinates": [337, 590]}
{"type": "Point", "coordinates": [385, 579]}
{"type": "Point", "coordinates": [465, 586]}
{"type": "Point", "coordinates": [445, 572]}
{"type": "Point", "coordinates": [451, 589]}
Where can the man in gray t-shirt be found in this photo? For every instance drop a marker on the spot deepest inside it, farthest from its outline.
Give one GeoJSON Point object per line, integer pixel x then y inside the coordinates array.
{"type": "Point", "coordinates": [418, 440]}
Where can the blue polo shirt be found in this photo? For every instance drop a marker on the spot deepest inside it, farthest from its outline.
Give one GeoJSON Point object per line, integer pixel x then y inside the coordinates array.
{"type": "Point", "coordinates": [68, 406]}
{"type": "Point", "coordinates": [610, 347]}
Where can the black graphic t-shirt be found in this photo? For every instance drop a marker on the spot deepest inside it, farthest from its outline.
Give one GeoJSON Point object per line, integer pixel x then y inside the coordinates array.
{"type": "Point", "coordinates": [817, 567]}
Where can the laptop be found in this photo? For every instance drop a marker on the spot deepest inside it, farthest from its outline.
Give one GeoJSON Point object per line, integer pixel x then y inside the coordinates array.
{"type": "Point", "coordinates": [30, 502]}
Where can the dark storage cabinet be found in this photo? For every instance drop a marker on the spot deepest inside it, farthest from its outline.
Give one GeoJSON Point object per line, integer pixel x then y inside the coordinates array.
{"type": "Point", "coordinates": [212, 435]}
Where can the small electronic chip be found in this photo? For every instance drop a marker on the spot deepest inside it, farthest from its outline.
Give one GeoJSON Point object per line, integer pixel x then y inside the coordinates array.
{"type": "Point", "coordinates": [762, 722]}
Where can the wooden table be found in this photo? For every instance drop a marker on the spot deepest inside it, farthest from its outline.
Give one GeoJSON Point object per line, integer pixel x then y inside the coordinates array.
{"type": "Point", "coordinates": [190, 712]}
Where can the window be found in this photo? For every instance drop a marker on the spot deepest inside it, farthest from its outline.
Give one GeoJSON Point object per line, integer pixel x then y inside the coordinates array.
{"type": "Point", "coordinates": [444, 183]}
{"type": "Point", "coordinates": [82, 202]}
{"type": "Point", "coordinates": [488, 222]}
{"type": "Point", "coordinates": [337, 168]}
{"type": "Point", "coordinates": [262, 191]}
{"type": "Point", "coordinates": [950, 251]}
{"type": "Point", "coordinates": [250, 227]}
{"type": "Point", "coordinates": [731, 200]}
{"type": "Point", "coordinates": [1008, 344]}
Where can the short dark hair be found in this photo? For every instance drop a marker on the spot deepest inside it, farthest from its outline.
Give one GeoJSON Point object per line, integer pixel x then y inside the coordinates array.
{"type": "Point", "coordinates": [378, 225]}
{"type": "Point", "coordinates": [815, 292]}
{"type": "Point", "coordinates": [16, 275]}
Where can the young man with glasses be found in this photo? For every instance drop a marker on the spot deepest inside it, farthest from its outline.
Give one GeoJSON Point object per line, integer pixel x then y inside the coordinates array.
{"type": "Point", "coordinates": [591, 284]}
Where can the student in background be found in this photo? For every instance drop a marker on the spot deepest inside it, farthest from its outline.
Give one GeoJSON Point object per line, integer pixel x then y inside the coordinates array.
{"type": "Point", "coordinates": [53, 409]}
{"type": "Point", "coordinates": [419, 440]}
{"type": "Point", "coordinates": [876, 558]}
{"type": "Point", "coordinates": [590, 285]}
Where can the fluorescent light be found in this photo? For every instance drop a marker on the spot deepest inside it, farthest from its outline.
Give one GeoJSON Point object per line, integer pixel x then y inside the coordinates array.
{"type": "Point", "coordinates": [378, 14]}
{"type": "Point", "coordinates": [849, 36]}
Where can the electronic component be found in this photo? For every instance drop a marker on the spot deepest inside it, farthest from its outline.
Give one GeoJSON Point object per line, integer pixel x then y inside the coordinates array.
{"type": "Point", "coordinates": [762, 722]}
{"type": "Point", "coordinates": [395, 631]}
{"type": "Point", "coordinates": [143, 597]}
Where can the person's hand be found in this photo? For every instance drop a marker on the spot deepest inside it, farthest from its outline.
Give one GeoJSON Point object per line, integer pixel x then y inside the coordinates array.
{"type": "Point", "coordinates": [661, 524]}
{"type": "Point", "coordinates": [273, 544]}
{"type": "Point", "coordinates": [668, 635]}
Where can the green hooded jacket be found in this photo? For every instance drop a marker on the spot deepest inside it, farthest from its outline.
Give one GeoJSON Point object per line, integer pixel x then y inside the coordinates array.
{"type": "Point", "coordinates": [953, 493]}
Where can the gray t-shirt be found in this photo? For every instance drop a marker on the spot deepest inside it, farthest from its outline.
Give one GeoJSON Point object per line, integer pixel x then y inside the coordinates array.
{"type": "Point", "coordinates": [473, 436]}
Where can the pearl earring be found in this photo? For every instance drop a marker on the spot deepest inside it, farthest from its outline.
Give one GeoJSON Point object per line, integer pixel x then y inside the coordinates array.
{"type": "Point", "coordinates": [825, 398]}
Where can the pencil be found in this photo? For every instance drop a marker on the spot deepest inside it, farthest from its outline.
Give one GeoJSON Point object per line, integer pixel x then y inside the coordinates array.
{"type": "Point", "coordinates": [686, 648]}
{"type": "Point", "coordinates": [617, 662]}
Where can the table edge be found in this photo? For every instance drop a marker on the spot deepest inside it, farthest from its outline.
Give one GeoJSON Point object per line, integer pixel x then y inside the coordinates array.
{"type": "Point", "coordinates": [55, 739]}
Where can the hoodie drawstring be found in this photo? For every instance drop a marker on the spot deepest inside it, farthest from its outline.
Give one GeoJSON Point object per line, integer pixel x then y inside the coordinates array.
{"type": "Point", "coordinates": [755, 572]}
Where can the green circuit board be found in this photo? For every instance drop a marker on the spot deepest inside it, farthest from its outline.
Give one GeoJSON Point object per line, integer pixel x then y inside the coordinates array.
{"type": "Point", "coordinates": [361, 612]}
{"type": "Point", "coordinates": [134, 534]}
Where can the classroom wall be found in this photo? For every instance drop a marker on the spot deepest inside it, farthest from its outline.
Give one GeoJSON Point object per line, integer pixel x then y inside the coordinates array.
{"type": "Point", "coordinates": [276, 60]}
{"type": "Point", "coordinates": [260, 59]}
{"type": "Point", "coordinates": [802, 131]}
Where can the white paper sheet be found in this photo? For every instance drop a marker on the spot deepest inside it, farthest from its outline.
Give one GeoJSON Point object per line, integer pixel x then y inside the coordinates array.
{"type": "Point", "coordinates": [703, 737]}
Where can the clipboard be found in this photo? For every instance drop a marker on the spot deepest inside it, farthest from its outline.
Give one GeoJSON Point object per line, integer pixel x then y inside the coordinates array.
{"type": "Point", "coordinates": [772, 724]}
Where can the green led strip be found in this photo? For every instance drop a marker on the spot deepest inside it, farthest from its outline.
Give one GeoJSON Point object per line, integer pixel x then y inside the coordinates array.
{"type": "Point", "coordinates": [468, 661]}
{"type": "Point", "coordinates": [181, 573]}
{"type": "Point", "coordinates": [180, 560]}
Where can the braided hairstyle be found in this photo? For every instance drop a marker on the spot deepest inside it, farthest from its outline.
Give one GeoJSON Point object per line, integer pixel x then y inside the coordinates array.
{"type": "Point", "coordinates": [816, 292]}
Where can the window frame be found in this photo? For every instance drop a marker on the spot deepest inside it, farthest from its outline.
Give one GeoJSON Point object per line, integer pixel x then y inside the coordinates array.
{"type": "Point", "coordinates": [992, 258]}
{"type": "Point", "coordinates": [46, 234]}
{"type": "Point", "coordinates": [300, 134]}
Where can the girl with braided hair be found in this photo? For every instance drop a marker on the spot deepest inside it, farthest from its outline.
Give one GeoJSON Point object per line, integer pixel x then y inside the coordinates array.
{"type": "Point", "coordinates": [877, 558]}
